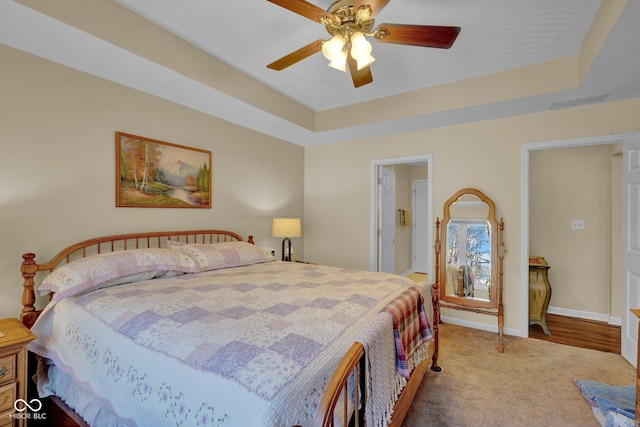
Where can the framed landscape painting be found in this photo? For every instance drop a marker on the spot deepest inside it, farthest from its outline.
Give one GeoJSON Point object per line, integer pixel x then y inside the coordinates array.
{"type": "Point", "coordinates": [156, 174]}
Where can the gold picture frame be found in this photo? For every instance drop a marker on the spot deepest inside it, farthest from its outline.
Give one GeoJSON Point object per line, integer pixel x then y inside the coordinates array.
{"type": "Point", "coordinates": [158, 174]}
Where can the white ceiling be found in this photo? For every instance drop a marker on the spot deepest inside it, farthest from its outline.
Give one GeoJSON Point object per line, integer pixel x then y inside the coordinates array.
{"type": "Point", "coordinates": [496, 35]}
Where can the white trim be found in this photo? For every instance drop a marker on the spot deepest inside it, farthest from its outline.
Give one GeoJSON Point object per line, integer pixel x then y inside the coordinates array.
{"type": "Point", "coordinates": [373, 233]}
{"type": "Point", "coordinates": [524, 209]}
{"type": "Point", "coordinates": [479, 325]}
{"type": "Point", "coordinates": [588, 315]}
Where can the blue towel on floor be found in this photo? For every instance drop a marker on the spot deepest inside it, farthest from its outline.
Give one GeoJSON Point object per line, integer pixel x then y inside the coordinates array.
{"type": "Point", "coordinates": [607, 397]}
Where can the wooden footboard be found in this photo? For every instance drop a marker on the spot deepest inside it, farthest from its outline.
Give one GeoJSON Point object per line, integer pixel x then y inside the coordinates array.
{"type": "Point", "coordinates": [353, 363]}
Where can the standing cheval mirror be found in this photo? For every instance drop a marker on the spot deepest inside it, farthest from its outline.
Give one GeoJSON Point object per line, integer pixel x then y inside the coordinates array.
{"type": "Point", "coordinates": [469, 251]}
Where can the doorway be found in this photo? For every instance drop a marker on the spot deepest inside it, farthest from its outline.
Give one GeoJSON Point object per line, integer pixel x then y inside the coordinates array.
{"type": "Point", "coordinates": [407, 217]}
{"type": "Point", "coordinates": [526, 242]}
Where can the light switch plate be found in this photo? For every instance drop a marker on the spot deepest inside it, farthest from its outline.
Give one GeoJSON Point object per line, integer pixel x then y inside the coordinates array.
{"type": "Point", "coordinates": [577, 224]}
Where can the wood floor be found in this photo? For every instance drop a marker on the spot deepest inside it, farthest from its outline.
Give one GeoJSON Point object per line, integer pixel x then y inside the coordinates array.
{"type": "Point", "coordinates": [579, 333]}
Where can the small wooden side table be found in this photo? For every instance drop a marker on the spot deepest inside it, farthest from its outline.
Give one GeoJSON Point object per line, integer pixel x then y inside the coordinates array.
{"type": "Point", "coordinates": [13, 371]}
{"type": "Point", "coordinates": [539, 292]}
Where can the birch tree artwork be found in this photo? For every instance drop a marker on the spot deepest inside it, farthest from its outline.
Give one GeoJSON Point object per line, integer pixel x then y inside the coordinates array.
{"type": "Point", "coordinates": [160, 174]}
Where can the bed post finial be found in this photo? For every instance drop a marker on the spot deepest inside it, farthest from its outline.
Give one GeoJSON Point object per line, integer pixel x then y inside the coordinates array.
{"type": "Point", "coordinates": [251, 240]}
{"type": "Point", "coordinates": [29, 268]}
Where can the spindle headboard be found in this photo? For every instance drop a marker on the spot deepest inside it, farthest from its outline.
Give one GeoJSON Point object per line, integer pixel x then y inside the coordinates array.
{"type": "Point", "coordinates": [156, 239]}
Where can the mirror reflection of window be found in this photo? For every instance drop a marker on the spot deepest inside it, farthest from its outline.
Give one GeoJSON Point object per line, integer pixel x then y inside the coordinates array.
{"type": "Point", "coordinates": [469, 258]}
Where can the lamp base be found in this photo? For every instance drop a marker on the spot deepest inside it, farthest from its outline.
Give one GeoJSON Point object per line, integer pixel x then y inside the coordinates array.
{"type": "Point", "coordinates": [288, 256]}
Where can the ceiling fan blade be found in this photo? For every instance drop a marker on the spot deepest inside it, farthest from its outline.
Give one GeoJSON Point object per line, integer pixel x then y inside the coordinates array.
{"type": "Point", "coordinates": [303, 8]}
{"type": "Point", "coordinates": [359, 77]}
{"type": "Point", "coordinates": [296, 56]}
{"type": "Point", "coordinates": [376, 5]}
{"type": "Point", "coordinates": [417, 35]}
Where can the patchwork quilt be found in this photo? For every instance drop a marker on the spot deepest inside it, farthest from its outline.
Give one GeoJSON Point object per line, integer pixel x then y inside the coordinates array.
{"type": "Point", "coordinates": [200, 349]}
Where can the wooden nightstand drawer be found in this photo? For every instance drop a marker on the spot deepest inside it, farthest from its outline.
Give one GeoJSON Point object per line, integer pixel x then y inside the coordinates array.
{"type": "Point", "coordinates": [6, 420]}
{"type": "Point", "coordinates": [7, 398]}
{"type": "Point", "coordinates": [13, 369]}
{"type": "Point", "coordinates": [8, 368]}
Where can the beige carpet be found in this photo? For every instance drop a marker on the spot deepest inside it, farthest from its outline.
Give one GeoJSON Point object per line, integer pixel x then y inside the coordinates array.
{"type": "Point", "coordinates": [530, 384]}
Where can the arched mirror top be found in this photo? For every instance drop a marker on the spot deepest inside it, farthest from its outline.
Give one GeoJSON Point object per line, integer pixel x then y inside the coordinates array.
{"type": "Point", "coordinates": [469, 203]}
{"type": "Point", "coordinates": [468, 257]}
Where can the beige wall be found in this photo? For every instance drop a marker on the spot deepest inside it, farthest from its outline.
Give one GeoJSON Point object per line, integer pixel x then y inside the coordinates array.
{"type": "Point", "coordinates": [57, 152]}
{"type": "Point", "coordinates": [485, 155]}
{"type": "Point", "coordinates": [57, 140]}
{"type": "Point", "coordinates": [566, 184]}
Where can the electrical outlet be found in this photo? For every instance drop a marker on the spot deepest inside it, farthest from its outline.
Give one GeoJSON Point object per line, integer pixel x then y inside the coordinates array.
{"type": "Point", "coordinates": [577, 224]}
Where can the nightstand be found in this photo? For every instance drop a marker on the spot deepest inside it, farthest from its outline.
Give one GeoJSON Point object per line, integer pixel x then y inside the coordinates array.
{"type": "Point", "coordinates": [539, 292]}
{"type": "Point", "coordinates": [13, 371]}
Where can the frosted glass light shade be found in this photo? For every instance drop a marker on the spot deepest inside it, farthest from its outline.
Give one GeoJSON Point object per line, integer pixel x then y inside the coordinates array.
{"type": "Point", "coordinates": [332, 49]}
{"type": "Point", "coordinates": [361, 50]}
{"type": "Point", "coordinates": [340, 63]}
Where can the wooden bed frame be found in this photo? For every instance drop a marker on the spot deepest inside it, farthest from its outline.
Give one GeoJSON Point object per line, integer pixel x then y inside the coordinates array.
{"type": "Point", "coordinates": [59, 414]}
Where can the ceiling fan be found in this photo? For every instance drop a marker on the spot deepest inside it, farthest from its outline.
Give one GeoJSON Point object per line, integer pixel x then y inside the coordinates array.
{"type": "Point", "coordinates": [348, 22]}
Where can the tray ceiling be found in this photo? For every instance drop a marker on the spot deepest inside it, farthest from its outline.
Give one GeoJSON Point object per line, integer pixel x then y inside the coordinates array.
{"type": "Point", "coordinates": [512, 57]}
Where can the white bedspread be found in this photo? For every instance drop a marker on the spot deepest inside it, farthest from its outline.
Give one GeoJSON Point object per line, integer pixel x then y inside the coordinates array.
{"type": "Point", "coordinates": [236, 370]}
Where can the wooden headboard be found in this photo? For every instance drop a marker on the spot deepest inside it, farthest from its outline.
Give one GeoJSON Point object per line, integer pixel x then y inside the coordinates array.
{"type": "Point", "coordinates": [157, 239]}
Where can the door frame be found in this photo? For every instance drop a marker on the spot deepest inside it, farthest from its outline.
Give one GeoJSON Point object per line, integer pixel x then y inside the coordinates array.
{"type": "Point", "coordinates": [524, 209]}
{"type": "Point", "coordinates": [426, 159]}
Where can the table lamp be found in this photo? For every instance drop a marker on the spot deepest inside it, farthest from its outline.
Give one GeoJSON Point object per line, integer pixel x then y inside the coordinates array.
{"type": "Point", "coordinates": [287, 228]}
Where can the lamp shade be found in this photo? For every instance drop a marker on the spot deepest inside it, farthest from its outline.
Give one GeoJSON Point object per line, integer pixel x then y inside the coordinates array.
{"type": "Point", "coordinates": [334, 51]}
{"type": "Point", "coordinates": [340, 63]}
{"type": "Point", "coordinates": [286, 227]}
{"type": "Point", "coordinates": [361, 50]}
{"type": "Point", "coordinates": [331, 49]}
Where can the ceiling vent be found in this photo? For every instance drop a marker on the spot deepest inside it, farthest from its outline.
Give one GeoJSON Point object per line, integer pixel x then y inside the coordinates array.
{"type": "Point", "coordinates": [576, 102]}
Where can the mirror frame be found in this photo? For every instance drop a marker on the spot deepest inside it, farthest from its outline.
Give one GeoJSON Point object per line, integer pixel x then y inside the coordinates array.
{"type": "Point", "coordinates": [493, 301]}
{"type": "Point", "coordinates": [493, 306]}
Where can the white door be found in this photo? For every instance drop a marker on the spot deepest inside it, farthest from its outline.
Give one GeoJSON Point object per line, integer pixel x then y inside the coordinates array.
{"type": "Point", "coordinates": [631, 246]}
{"type": "Point", "coordinates": [420, 222]}
{"type": "Point", "coordinates": [387, 217]}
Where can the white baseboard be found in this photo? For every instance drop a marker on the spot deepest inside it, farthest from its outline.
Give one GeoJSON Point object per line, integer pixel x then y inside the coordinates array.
{"type": "Point", "coordinates": [552, 310]}
{"type": "Point", "coordinates": [481, 326]}
{"type": "Point", "coordinates": [600, 317]}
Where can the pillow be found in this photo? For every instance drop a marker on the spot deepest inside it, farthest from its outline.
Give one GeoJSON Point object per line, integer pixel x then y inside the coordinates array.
{"type": "Point", "coordinates": [174, 243]}
{"type": "Point", "coordinates": [115, 268]}
{"type": "Point", "coordinates": [226, 254]}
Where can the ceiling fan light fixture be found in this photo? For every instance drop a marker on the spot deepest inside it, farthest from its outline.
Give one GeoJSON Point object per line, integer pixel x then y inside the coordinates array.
{"type": "Point", "coordinates": [332, 49]}
{"type": "Point", "coordinates": [361, 50]}
{"type": "Point", "coordinates": [364, 63]}
{"type": "Point", "coordinates": [340, 62]}
{"type": "Point", "coordinates": [348, 22]}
